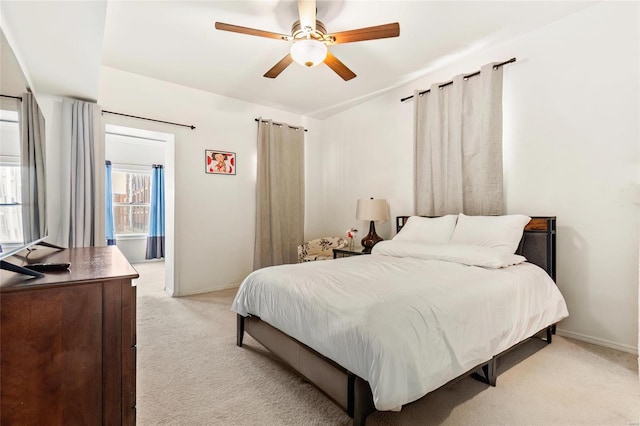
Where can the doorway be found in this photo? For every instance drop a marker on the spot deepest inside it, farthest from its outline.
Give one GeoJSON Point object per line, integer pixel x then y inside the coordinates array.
{"type": "Point", "coordinates": [133, 152]}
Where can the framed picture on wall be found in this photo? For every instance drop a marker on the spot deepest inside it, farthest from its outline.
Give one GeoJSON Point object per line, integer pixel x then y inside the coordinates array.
{"type": "Point", "coordinates": [219, 162]}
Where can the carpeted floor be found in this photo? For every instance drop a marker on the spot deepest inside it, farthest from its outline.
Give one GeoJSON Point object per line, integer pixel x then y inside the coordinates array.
{"type": "Point", "coordinates": [190, 372]}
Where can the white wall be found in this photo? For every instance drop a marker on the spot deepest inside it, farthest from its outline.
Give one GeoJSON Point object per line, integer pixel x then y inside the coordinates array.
{"type": "Point", "coordinates": [571, 149]}
{"type": "Point", "coordinates": [12, 79]}
{"type": "Point", "coordinates": [215, 214]}
{"type": "Point", "coordinates": [367, 152]}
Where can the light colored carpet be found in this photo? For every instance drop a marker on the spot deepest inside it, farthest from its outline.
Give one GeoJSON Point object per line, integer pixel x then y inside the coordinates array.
{"type": "Point", "coordinates": [190, 372]}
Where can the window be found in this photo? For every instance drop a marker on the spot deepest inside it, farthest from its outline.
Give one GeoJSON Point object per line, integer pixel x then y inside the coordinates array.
{"type": "Point", "coordinates": [10, 183]}
{"type": "Point", "coordinates": [10, 211]}
{"type": "Point", "coordinates": [131, 196]}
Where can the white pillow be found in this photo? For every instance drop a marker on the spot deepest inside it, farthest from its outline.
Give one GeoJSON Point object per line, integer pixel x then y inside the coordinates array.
{"type": "Point", "coordinates": [430, 230]}
{"type": "Point", "coordinates": [500, 232]}
{"type": "Point", "coordinates": [464, 254]}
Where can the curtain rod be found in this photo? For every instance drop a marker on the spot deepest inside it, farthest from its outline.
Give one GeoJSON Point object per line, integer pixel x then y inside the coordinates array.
{"type": "Point", "coordinates": [496, 66]}
{"type": "Point", "coordinates": [192, 127]}
{"type": "Point", "coordinates": [279, 124]}
{"type": "Point", "coordinates": [149, 119]}
{"type": "Point", "coordinates": [12, 97]}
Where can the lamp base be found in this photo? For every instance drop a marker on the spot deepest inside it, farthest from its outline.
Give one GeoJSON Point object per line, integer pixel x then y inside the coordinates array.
{"type": "Point", "coordinates": [371, 239]}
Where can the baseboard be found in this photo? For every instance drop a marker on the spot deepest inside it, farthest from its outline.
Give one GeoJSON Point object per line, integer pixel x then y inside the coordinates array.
{"type": "Point", "coordinates": [148, 261]}
{"type": "Point", "coordinates": [598, 341]}
{"type": "Point", "coordinates": [209, 290]}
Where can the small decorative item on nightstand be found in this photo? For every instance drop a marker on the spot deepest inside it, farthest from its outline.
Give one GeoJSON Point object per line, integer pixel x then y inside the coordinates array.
{"type": "Point", "coordinates": [351, 235]}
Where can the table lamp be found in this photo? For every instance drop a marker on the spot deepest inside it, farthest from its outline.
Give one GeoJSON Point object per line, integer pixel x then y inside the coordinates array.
{"type": "Point", "coordinates": [372, 210]}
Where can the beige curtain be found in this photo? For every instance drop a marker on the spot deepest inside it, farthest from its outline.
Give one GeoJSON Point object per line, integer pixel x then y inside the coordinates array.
{"type": "Point", "coordinates": [82, 175]}
{"type": "Point", "coordinates": [279, 194]}
{"type": "Point", "coordinates": [458, 143]}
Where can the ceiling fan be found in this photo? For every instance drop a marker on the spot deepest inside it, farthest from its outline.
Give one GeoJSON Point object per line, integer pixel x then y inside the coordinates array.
{"type": "Point", "coordinates": [310, 40]}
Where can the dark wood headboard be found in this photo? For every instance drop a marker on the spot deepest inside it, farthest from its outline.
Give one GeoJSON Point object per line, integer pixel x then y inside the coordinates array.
{"type": "Point", "coordinates": [538, 243]}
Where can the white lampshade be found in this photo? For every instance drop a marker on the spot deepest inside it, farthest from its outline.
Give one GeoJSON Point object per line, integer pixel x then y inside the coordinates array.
{"type": "Point", "coordinates": [372, 209]}
{"type": "Point", "coordinates": [308, 53]}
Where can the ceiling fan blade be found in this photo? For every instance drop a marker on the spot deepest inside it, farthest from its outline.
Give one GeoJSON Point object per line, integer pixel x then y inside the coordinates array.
{"type": "Point", "coordinates": [340, 68]}
{"type": "Point", "coordinates": [307, 13]}
{"type": "Point", "coordinates": [279, 67]}
{"type": "Point", "coordinates": [362, 34]}
{"type": "Point", "coordinates": [251, 31]}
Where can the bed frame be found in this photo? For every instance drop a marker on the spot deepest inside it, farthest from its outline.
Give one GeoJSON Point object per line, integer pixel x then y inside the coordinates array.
{"type": "Point", "coordinates": [352, 393]}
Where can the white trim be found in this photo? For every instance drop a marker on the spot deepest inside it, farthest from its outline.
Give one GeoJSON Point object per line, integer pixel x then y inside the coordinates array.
{"type": "Point", "coordinates": [10, 160]}
{"type": "Point", "coordinates": [135, 139]}
{"type": "Point", "coordinates": [154, 260]}
{"type": "Point", "coordinates": [121, 204]}
{"type": "Point", "coordinates": [140, 169]}
{"type": "Point", "coordinates": [209, 290]}
{"type": "Point", "coordinates": [126, 237]}
{"type": "Point", "coordinates": [136, 132]}
{"type": "Point", "coordinates": [10, 116]}
{"type": "Point", "coordinates": [597, 341]}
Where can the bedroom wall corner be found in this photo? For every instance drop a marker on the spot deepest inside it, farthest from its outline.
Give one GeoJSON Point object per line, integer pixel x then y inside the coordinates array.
{"type": "Point", "coordinates": [570, 141]}
{"type": "Point", "coordinates": [214, 214]}
{"type": "Point", "coordinates": [368, 152]}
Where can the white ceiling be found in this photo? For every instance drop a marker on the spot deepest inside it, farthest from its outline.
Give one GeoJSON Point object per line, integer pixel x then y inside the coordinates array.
{"type": "Point", "coordinates": [63, 44]}
{"type": "Point", "coordinates": [57, 43]}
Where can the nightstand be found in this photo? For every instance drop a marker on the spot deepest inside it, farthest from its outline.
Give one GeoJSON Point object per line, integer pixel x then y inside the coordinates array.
{"type": "Point", "coordinates": [347, 252]}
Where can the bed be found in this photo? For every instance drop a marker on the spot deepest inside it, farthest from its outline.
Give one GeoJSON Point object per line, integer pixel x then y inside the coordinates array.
{"type": "Point", "coordinates": [379, 331]}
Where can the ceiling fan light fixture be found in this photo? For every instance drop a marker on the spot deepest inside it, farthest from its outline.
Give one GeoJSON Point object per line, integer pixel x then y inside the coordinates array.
{"type": "Point", "coordinates": [308, 52]}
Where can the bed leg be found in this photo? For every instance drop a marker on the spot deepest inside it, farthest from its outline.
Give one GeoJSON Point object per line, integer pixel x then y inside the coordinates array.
{"type": "Point", "coordinates": [240, 330]}
{"type": "Point", "coordinates": [490, 371]}
{"type": "Point", "coordinates": [549, 333]}
{"type": "Point", "coordinates": [360, 400]}
{"type": "Point", "coordinates": [553, 329]}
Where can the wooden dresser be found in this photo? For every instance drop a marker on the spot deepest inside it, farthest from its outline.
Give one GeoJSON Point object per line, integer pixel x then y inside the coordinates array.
{"type": "Point", "coordinates": [68, 340]}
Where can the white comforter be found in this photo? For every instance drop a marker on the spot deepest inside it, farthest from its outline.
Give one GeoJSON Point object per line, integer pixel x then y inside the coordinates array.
{"type": "Point", "coordinates": [405, 324]}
